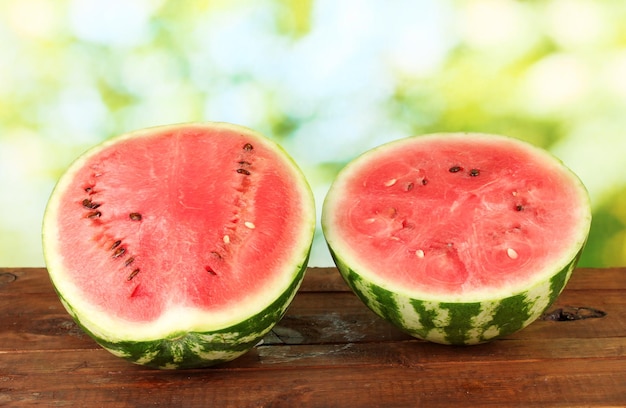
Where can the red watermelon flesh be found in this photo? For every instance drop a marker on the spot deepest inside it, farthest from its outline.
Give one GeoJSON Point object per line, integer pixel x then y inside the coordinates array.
{"type": "Point", "coordinates": [189, 227]}
{"type": "Point", "coordinates": [455, 217]}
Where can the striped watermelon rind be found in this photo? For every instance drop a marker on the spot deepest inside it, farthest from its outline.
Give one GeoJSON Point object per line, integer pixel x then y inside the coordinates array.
{"type": "Point", "coordinates": [189, 350]}
{"type": "Point", "coordinates": [457, 323]}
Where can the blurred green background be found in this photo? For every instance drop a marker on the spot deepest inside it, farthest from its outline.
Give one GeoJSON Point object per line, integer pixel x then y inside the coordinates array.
{"type": "Point", "coordinates": [327, 79]}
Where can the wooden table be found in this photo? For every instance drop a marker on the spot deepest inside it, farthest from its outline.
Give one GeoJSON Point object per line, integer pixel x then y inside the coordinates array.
{"type": "Point", "coordinates": [328, 351]}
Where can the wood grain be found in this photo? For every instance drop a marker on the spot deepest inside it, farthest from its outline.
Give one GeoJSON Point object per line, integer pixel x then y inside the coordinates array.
{"type": "Point", "coordinates": [328, 351]}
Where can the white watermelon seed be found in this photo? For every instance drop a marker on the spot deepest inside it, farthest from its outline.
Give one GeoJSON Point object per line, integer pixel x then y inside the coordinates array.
{"type": "Point", "coordinates": [419, 253]}
{"type": "Point", "coordinates": [391, 182]}
{"type": "Point", "coordinates": [226, 239]}
{"type": "Point", "coordinates": [249, 224]}
{"type": "Point", "coordinates": [512, 253]}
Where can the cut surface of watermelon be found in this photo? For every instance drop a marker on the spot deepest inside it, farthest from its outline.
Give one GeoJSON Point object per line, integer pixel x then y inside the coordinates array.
{"type": "Point", "coordinates": [455, 219]}
{"type": "Point", "coordinates": [177, 229]}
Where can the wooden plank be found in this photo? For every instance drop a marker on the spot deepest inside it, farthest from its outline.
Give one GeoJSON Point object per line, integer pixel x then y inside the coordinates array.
{"type": "Point", "coordinates": [598, 278]}
{"type": "Point", "coordinates": [313, 318]}
{"type": "Point", "coordinates": [25, 280]}
{"type": "Point", "coordinates": [35, 280]}
{"type": "Point", "coordinates": [85, 377]}
{"type": "Point", "coordinates": [405, 353]}
{"type": "Point", "coordinates": [329, 350]}
{"type": "Point", "coordinates": [612, 302]}
{"type": "Point", "coordinates": [32, 321]}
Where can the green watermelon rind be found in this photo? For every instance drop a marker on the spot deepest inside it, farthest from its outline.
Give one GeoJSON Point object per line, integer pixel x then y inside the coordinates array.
{"type": "Point", "coordinates": [188, 350]}
{"type": "Point", "coordinates": [458, 323]}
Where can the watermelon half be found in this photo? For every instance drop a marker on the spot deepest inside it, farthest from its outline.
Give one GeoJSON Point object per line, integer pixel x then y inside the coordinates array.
{"type": "Point", "coordinates": [456, 238]}
{"type": "Point", "coordinates": [179, 246]}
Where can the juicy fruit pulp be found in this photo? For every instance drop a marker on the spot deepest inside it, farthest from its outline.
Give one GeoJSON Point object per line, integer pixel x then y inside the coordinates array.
{"type": "Point", "coordinates": [193, 228]}
{"type": "Point", "coordinates": [456, 220]}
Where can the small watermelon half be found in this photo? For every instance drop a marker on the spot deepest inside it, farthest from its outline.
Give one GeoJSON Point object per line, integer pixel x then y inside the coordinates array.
{"type": "Point", "coordinates": [457, 238]}
{"type": "Point", "coordinates": [179, 246]}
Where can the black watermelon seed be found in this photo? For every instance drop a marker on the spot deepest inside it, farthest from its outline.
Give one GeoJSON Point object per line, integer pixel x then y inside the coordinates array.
{"type": "Point", "coordinates": [455, 169]}
{"type": "Point", "coordinates": [87, 203]}
{"type": "Point", "coordinates": [247, 147]}
{"type": "Point", "coordinates": [519, 207]}
{"type": "Point", "coordinates": [243, 171]}
{"type": "Point", "coordinates": [119, 252]}
{"type": "Point", "coordinates": [133, 274]}
{"type": "Point", "coordinates": [115, 245]}
{"type": "Point", "coordinates": [135, 216]}
{"type": "Point", "coordinates": [424, 182]}
{"type": "Point", "coordinates": [409, 187]}
{"type": "Point", "coordinates": [474, 172]}
{"type": "Point", "coordinates": [129, 261]}
{"type": "Point", "coordinates": [95, 214]}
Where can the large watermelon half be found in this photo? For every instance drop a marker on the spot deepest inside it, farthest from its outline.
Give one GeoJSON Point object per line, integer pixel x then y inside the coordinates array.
{"type": "Point", "coordinates": [179, 246]}
{"type": "Point", "coordinates": [456, 238]}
